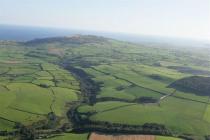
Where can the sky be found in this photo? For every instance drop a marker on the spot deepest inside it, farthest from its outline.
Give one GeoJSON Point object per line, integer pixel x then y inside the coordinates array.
{"type": "Point", "coordinates": [172, 18]}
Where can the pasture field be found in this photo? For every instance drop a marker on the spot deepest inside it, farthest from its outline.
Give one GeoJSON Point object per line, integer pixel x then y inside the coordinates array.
{"type": "Point", "coordinates": [29, 89]}
{"type": "Point", "coordinates": [206, 115]}
{"type": "Point", "coordinates": [166, 138]}
{"type": "Point", "coordinates": [2, 138]}
{"type": "Point", "coordinates": [173, 113]}
{"type": "Point", "coordinates": [49, 86]}
{"type": "Point", "coordinates": [70, 136]}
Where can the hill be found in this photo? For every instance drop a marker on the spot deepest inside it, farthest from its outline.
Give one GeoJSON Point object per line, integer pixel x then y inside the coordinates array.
{"type": "Point", "coordinates": [195, 84]}
{"type": "Point", "coordinates": [76, 39]}
{"type": "Point", "coordinates": [82, 84]}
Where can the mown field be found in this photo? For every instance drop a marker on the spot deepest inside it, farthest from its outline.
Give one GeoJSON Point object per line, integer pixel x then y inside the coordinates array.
{"type": "Point", "coordinates": [101, 81]}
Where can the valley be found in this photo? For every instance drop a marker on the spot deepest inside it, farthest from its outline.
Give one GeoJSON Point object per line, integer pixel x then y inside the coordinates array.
{"type": "Point", "coordinates": [82, 87]}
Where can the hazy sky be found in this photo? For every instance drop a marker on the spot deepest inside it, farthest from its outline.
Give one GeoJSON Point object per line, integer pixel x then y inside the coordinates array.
{"type": "Point", "coordinates": [179, 18]}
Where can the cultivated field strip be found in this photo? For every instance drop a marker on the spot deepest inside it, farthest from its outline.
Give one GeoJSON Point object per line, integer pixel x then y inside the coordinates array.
{"type": "Point", "coordinates": [95, 136]}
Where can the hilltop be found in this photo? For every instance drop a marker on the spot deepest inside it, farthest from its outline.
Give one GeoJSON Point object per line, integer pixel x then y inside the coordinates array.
{"type": "Point", "coordinates": [75, 39]}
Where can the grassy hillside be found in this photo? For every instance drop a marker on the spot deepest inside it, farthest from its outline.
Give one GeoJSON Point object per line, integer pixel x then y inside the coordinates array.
{"type": "Point", "coordinates": [55, 85]}
{"type": "Point", "coordinates": [195, 84]}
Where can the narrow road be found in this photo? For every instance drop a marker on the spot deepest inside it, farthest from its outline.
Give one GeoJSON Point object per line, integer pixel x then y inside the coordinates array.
{"type": "Point", "coordinates": [165, 96]}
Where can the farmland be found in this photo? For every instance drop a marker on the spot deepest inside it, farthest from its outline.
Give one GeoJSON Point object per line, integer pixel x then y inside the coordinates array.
{"type": "Point", "coordinates": [33, 89]}
{"type": "Point", "coordinates": [55, 88]}
{"type": "Point", "coordinates": [95, 136]}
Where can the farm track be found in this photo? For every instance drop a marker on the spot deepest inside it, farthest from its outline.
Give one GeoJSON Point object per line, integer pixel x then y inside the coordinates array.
{"type": "Point", "coordinates": [134, 84]}
{"type": "Point", "coordinates": [165, 96]}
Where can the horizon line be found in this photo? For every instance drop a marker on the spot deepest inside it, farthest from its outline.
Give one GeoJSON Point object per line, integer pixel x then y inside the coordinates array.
{"type": "Point", "coordinates": [107, 32]}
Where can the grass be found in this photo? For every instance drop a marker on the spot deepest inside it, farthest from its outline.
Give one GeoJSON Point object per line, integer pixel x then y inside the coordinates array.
{"type": "Point", "coordinates": [44, 82]}
{"type": "Point", "coordinates": [70, 136]}
{"type": "Point", "coordinates": [28, 98]}
{"type": "Point", "coordinates": [173, 113]}
{"type": "Point", "coordinates": [102, 106]}
{"type": "Point", "coordinates": [3, 138]}
{"type": "Point", "coordinates": [206, 115]}
{"type": "Point", "coordinates": [62, 97]}
{"type": "Point", "coordinates": [22, 98]}
{"type": "Point", "coordinates": [166, 138]}
{"type": "Point", "coordinates": [6, 125]}
{"type": "Point", "coordinates": [124, 70]}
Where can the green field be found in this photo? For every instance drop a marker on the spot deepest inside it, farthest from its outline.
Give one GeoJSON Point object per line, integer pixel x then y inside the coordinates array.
{"type": "Point", "coordinates": [30, 89]}
{"type": "Point", "coordinates": [133, 86]}
{"type": "Point", "coordinates": [70, 136]}
{"type": "Point", "coordinates": [166, 138]}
